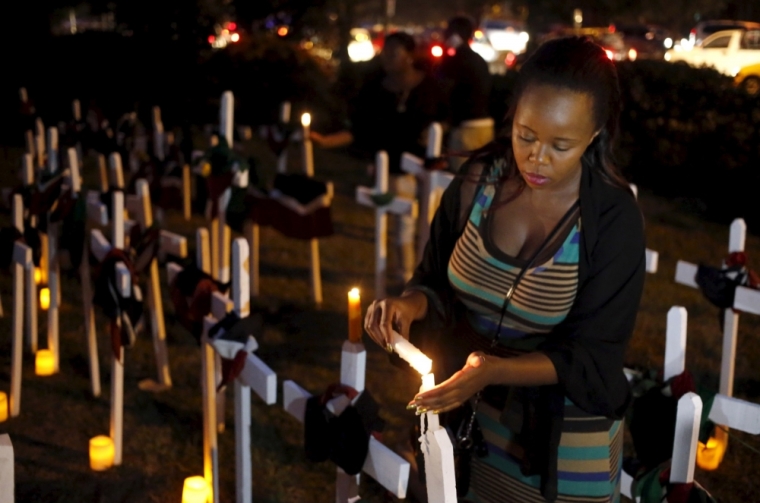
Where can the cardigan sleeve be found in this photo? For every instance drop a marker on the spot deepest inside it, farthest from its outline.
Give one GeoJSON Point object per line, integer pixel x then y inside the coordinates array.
{"type": "Point", "coordinates": [588, 348]}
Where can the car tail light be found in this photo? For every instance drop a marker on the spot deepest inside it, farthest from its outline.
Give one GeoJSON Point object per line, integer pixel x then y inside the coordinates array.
{"type": "Point", "coordinates": [510, 59]}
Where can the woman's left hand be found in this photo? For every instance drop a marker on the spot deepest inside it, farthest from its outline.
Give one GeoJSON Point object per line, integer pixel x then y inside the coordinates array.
{"type": "Point", "coordinates": [453, 392]}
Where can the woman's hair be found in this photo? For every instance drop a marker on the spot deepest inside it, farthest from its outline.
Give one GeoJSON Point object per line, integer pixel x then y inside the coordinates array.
{"type": "Point", "coordinates": [580, 65]}
{"type": "Point", "coordinates": [403, 39]}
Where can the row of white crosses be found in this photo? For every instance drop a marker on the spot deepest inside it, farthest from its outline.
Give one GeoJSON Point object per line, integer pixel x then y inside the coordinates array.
{"type": "Point", "coordinates": [732, 412]}
{"type": "Point", "coordinates": [253, 231]}
{"type": "Point", "coordinates": [746, 300]}
{"type": "Point", "coordinates": [7, 476]}
{"type": "Point", "coordinates": [255, 374]}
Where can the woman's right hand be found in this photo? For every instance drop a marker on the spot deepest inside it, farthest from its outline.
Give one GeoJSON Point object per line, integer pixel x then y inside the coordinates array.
{"type": "Point", "coordinates": [394, 314]}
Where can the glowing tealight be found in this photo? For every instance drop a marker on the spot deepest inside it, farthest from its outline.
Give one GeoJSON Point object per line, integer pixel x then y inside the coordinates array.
{"type": "Point", "coordinates": [44, 298]}
{"type": "Point", "coordinates": [37, 275]}
{"type": "Point", "coordinates": [44, 363]}
{"type": "Point", "coordinates": [101, 453]}
{"type": "Point", "coordinates": [354, 315]}
{"type": "Point", "coordinates": [195, 490]}
{"type": "Point", "coordinates": [306, 120]}
{"type": "Point", "coordinates": [3, 406]}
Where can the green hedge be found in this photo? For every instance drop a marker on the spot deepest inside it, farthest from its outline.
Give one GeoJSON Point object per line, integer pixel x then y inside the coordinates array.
{"type": "Point", "coordinates": [688, 132]}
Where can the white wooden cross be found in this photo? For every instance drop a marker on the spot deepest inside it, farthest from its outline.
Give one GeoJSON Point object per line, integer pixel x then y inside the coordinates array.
{"type": "Point", "coordinates": [23, 273]}
{"type": "Point", "coordinates": [382, 464]}
{"type": "Point", "coordinates": [255, 374]}
{"type": "Point", "coordinates": [31, 286]}
{"type": "Point", "coordinates": [399, 206]}
{"type": "Point", "coordinates": [689, 412]}
{"type": "Point", "coordinates": [686, 275]}
{"type": "Point", "coordinates": [100, 247]}
{"type": "Point", "coordinates": [432, 183]}
{"type": "Point", "coordinates": [7, 477]}
{"type": "Point", "coordinates": [438, 451]}
{"type": "Point", "coordinates": [154, 303]}
{"type": "Point", "coordinates": [52, 261]}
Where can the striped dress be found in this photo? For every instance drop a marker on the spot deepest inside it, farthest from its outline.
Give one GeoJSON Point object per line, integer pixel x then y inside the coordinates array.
{"type": "Point", "coordinates": [589, 457]}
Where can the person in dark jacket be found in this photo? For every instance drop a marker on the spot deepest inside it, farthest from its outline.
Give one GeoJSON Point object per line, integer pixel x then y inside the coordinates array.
{"type": "Point", "coordinates": [547, 208]}
{"type": "Point", "coordinates": [392, 113]}
{"type": "Point", "coordinates": [464, 76]}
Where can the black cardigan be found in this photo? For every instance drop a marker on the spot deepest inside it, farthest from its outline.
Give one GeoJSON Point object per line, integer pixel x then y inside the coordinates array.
{"type": "Point", "coordinates": [588, 347]}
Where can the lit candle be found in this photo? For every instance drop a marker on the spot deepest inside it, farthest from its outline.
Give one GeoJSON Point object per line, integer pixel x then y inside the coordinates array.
{"type": "Point", "coordinates": [44, 298]}
{"type": "Point", "coordinates": [37, 276]}
{"type": "Point", "coordinates": [195, 490]}
{"type": "Point", "coordinates": [428, 382]}
{"type": "Point", "coordinates": [411, 354]}
{"type": "Point", "coordinates": [101, 453]}
{"type": "Point", "coordinates": [354, 315]}
{"type": "Point", "coordinates": [3, 406]}
{"type": "Point", "coordinates": [44, 363]}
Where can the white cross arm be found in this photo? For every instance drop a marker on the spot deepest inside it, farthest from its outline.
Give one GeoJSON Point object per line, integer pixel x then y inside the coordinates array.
{"type": "Point", "coordinates": [652, 258]}
{"type": "Point", "coordinates": [99, 244]}
{"type": "Point", "coordinates": [412, 164]}
{"type": "Point", "coordinates": [399, 205]}
{"type": "Point", "coordinates": [686, 274]}
{"type": "Point", "coordinates": [96, 211]}
{"type": "Point", "coordinates": [747, 300]}
{"type": "Point", "coordinates": [735, 413]}
{"type": "Point", "coordinates": [322, 202]}
{"type": "Point", "coordinates": [173, 244]}
{"type": "Point", "coordinates": [172, 269]}
{"type": "Point", "coordinates": [382, 464]}
{"type": "Point", "coordinates": [258, 376]}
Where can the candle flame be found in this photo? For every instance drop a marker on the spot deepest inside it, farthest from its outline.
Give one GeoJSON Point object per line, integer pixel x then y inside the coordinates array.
{"type": "Point", "coordinates": [195, 490]}
{"type": "Point", "coordinates": [306, 119]}
{"type": "Point", "coordinates": [44, 298]}
{"type": "Point", "coordinates": [354, 294]}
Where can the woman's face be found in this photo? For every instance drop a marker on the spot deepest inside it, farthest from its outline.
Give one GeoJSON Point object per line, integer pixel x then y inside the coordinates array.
{"type": "Point", "coordinates": [551, 129]}
{"type": "Point", "coordinates": [395, 58]}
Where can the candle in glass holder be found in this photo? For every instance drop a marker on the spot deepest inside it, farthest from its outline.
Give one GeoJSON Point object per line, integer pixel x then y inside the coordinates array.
{"type": "Point", "coordinates": [101, 453]}
{"type": "Point", "coordinates": [195, 490]}
{"type": "Point", "coordinates": [44, 363]}
{"type": "Point", "coordinates": [354, 315]}
{"type": "Point", "coordinates": [3, 406]}
{"type": "Point", "coordinates": [44, 298]}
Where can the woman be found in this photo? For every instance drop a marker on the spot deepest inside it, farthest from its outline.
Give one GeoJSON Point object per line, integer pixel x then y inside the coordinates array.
{"type": "Point", "coordinates": [546, 200]}
{"type": "Point", "coordinates": [392, 113]}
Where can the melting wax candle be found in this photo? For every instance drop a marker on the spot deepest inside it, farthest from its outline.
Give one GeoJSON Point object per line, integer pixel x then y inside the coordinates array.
{"type": "Point", "coordinates": [195, 490]}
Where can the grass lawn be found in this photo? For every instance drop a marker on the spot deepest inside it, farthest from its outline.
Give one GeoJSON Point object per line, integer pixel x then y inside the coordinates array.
{"type": "Point", "coordinates": [163, 432]}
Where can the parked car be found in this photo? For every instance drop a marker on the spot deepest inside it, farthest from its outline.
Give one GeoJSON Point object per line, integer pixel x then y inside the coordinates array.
{"type": "Point", "coordinates": [727, 51]}
{"type": "Point", "coordinates": [648, 41]}
{"type": "Point", "coordinates": [748, 79]}
{"type": "Point", "coordinates": [703, 29]}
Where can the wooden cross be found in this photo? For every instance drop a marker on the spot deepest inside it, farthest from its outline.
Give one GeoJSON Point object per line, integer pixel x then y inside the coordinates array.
{"type": "Point", "coordinates": [432, 183]}
{"type": "Point", "coordinates": [23, 280]}
{"type": "Point", "coordinates": [438, 451]}
{"type": "Point", "coordinates": [398, 206]}
{"type": "Point", "coordinates": [100, 247]}
{"type": "Point", "coordinates": [31, 287]}
{"type": "Point", "coordinates": [7, 478]}
{"type": "Point", "coordinates": [255, 374]}
{"type": "Point", "coordinates": [382, 464]}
